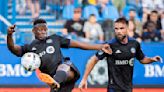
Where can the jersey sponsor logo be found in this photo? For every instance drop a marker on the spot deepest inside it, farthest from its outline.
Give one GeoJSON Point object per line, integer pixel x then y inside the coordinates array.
{"type": "Point", "coordinates": [124, 62]}
{"type": "Point", "coordinates": [118, 51]}
{"type": "Point", "coordinates": [49, 41]}
{"type": "Point", "coordinates": [133, 50]}
{"type": "Point", "coordinates": [50, 49]}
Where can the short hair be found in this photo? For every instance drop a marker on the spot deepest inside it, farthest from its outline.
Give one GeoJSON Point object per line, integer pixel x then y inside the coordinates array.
{"type": "Point", "coordinates": [121, 20]}
{"type": "Point", "coordinates": [132, 9]}
{"type": "Point", "coordinates": [38, 21]}
{"type": "Point", "coordinates": [92, 15]}
{"type": "Point", "coordinates": [154, 11]}
{"type": "Point", "coordinates": [77, 9]}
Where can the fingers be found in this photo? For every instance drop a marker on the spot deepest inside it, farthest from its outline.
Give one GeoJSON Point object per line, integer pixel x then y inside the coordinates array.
{"type": "Point", "coordinates": [11, 29]}
{"type": "Point", "coordinates": [106, 48]}
{"type": "Point", "coordinates": [80, 87]}
{"type": "Point", "coordinates": [158, 58]}
{"type": "Point", "coordinates": [83, 85]}
{"type": "Point", "coordinates": [86, 84]}
{"type": "Point", "coordinates": [81, 90]}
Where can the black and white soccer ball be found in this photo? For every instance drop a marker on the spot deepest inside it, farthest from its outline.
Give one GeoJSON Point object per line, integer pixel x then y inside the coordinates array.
{"type": "Point", "coordinates": [30, 61]}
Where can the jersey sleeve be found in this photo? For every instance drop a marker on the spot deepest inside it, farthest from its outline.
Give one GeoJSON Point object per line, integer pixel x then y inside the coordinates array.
{"type": "Point", "coordinates": [64, 42]}
{"type": "Point", "coordinates": [139, 54]}
{"type": "Point", "coordinates": [100, 54]}
{"type": "Point", "coordinates": [24, 49]}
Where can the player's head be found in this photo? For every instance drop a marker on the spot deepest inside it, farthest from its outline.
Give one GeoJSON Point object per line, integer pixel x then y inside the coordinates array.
{"type": "Point", "coordinates": [121, 28]}
{"type": "Point", "coordinates": [40, 29]}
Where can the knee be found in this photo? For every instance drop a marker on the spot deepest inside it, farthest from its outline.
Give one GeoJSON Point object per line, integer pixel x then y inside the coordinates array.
{"type": "Point", "coordinates": [67, 69]}
{"type": "Point", "coordinates": [63, 67]}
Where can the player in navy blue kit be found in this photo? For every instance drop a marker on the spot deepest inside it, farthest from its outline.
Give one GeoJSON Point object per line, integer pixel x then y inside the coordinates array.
{"type": "Point", "coordinates": [60, 76]}
{"type": "Point", "coordinates": [120, 59]}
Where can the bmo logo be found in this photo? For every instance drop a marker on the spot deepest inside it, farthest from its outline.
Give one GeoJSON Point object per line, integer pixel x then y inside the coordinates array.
{"type": "Point", "coordinates": [9, 70]}
{"type": "Point", "coordinates": [154, 70]}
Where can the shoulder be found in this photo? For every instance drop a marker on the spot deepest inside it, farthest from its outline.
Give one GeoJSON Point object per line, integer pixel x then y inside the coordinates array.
{"type": "Point", "coordinates": [86, 23]}
{"type": "Point", "coordinates": [112, 41]}
{"type": "Point", "coordinates": [83, 21]}
{"type": "Point", "coordinates": [69, 21]}
{"type": "Point", "coordinates": [133, 41]}
{"type": "Point", "coordinates": [97, 25]}
{"type": "Point", "coordinates": [54, 36]}
{"type": "Point", "coordinates": [34, 42]}
{"type": "Point", "coordinates": [130, 39]}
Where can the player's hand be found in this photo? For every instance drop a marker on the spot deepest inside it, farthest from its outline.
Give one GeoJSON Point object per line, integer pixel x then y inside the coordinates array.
{"type": "Point", "coordinates": [106, 48]}
{"type": "Point", "coordinates": [83, 84]}
{"type": "Point", "coordinates": [11, 30]}
{"type": "Point", "coordinates": [157, 58]}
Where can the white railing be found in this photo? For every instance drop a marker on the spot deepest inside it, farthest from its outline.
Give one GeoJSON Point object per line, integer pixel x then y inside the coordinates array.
{"type": "Point", "coordinates": [3, 36]}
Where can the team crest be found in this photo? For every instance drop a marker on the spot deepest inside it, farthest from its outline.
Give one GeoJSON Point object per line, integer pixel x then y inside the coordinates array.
{"type": "Point", "coordinates": [33, 49]}
{"type": "Point", "coordinates": [50, 49]}
{"type": "Point", "coordinates": [100, 52]}
{"type": "Point", "coordinates": [133, 50]}
{"type": "Point", "coordinates": [49, 41]}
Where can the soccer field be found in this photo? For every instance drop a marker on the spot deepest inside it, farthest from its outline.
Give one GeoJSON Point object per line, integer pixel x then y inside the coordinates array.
{"type": "Point", "coordinates": [77, 90]}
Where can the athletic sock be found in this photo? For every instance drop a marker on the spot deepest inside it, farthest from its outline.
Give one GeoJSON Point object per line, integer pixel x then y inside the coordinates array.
{"type": "Point", "coordinates": [60, 76]}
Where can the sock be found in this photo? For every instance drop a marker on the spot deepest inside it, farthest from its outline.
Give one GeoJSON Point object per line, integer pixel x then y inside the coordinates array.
{"type": "Point", "coordinates": [60, 76]}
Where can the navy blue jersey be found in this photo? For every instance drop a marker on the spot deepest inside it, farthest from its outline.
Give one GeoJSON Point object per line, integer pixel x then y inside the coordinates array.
{"type": "Point", "coordinates": [120, 62]}
{"type": "Point", "coordinates": [49, 52]}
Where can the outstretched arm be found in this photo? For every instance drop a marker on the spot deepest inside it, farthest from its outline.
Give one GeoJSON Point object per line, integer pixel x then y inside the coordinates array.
{"type": "Point", "coordinates": [147, 60]}
{"type": "Point", "coordinates": [90, 65]}
{"type": "Point", "coordinates": [15, 49]}
{"type": "Point", "coordinates": [87, 46]}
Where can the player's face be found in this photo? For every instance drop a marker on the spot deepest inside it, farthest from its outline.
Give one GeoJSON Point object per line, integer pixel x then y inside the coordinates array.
{"type": "Point", "coordinates": [120, 30]}
{"type": "Point", "coordinates": [40, 32]}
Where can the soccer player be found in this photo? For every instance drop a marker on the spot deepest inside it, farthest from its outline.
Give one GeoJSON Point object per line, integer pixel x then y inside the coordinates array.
{"type": "Point", "coordinates": [60, 76]}
{"type": "Point", "coordinates": [120, 59]}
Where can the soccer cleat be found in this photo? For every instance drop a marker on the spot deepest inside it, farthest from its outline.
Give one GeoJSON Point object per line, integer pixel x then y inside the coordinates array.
{"type": "Point", "coordinates": [49, 80]}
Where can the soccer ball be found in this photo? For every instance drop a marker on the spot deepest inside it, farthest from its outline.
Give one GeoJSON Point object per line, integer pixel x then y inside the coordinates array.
{"type": "Point", "coordinates": [30, 61]}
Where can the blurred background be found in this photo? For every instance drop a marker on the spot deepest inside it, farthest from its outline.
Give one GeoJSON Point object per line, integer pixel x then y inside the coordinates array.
{"type": "Point", "coordinates": [88, 21]}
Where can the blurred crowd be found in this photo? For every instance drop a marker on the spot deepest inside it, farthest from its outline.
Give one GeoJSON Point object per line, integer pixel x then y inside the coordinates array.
{"type": "Point", "coordinates": [92, 20]}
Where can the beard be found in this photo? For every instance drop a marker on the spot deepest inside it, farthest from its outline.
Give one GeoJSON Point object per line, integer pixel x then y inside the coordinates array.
{"type": "Point", "coordinates": [120, 37]}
